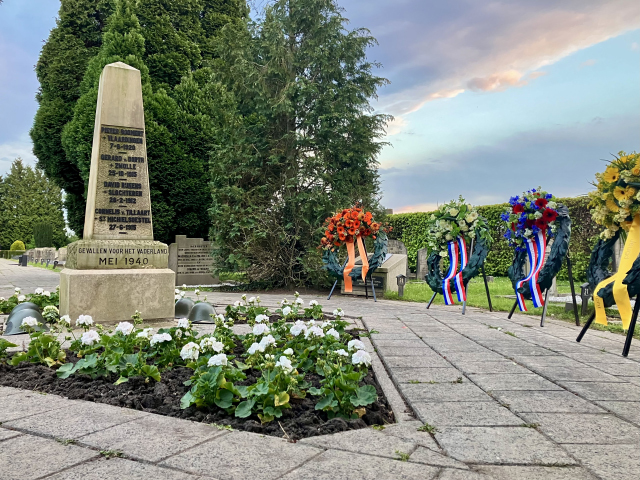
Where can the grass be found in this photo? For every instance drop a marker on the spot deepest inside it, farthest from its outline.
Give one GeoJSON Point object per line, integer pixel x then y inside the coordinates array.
{"type": "Point", "coordinates": [402, 456]}
{"type": "Point", "coordinates": [417, 291]}
{"type": "Point", "coordinates": [428, 428]}
{"type": "Point", "coordinates": [44, 265]}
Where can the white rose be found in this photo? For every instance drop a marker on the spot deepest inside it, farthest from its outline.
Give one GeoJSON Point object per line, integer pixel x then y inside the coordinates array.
{"type": "Point", "coordinates": [355, 345]}
{"type": "Point", "coordinates": [285, 364]}
{"type": "Point", "coordinates": [361, 357]}
{"type": "Point", "coordinates": [334, 334]}
{"type": "Point", "coordinates": [85, 320]}
{"type": "Point", "coordinates": [453, 212]}
{"type": "Point", "coordinates": [219, 360]}
{"type": "Point", "coordinates": [190, 351]}
{"type": "Point", "coordinates": [183, 323]}
{"type": "Point", "coordinates": [125, 328]}
{"type": "Point", "coordinates": [552, 205]}
{"type": "Point", "coordinates": [90, 337]}
{"type": "Point", "coordinates": [29, 322]}
{"type": "Point", "coordinates": [260, 329]}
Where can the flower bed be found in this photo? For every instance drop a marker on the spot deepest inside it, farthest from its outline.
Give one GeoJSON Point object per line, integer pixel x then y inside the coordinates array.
{"type": "Point", "coordinates": [288, 378]}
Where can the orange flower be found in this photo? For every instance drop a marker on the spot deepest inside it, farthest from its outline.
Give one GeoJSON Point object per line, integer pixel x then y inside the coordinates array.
{"type": "Point", "coordinates": [331, 227]}
{"type": "Point", "coordinates": [340, 229]}
{"type": "Point", "coordinates": [337, 244]}
{"type": "Point", "coordinates": [354, 214]}
{"type": "Point", "coordinates": [368, 217]}
{"type": "Point", "coordinates": [348, 223]}
{"type": "Point", "coordinates": [342, 236]}
{"type": "Point", "coordinates": [352, 231]}
{"type": "Point", "coordinates": [356, 224]}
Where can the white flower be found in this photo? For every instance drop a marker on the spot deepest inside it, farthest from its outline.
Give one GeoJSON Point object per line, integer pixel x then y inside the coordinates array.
{"type": "Point", "coordinates": [252, 299]}
{"type": "Point", "coordinates": [183, 323]}
{"type": "Point", "coordinates": [244, 296]}
{"type": "Point", "coordinates": [538, 214]}
{"type": "Point", "coordinates": [342, 352]}
{"type": "Point", "coordinates": [313, 303]}
{"type": "Point", "coordinates": [181, 294]}
{"type": "Point", "coordinates": [21, 298]}
{"type": "Point", "coordinates": [262, 318]}
{"type": "Point", "coordinates": [65, 319]}
{"type": "Point", "coordinates": [298, 328]}
{"type": "Point", "coordinates": [528, 232]}
{"type": "Point", "coordinates": [448, 237]}
{"type": "Point", "coordinates": [325, 324]}
{"type": "Point", "coordinates": [211, 343]}
{"type": "Point", "coordinates": [177, 291]}
{"type": "Point", "coordinates": [269, 356]}
{"type": "Point", "coordinates": [299, 301]}
{"type": "Point", "coordinates": [2, 299]}
{"type": "Point", "coordinates": [288, 351]}
{"type": "Point", "coordinates": [160, 338]}
{"type": "Point", "coordinates": [177, 297]}
{"type": "Point", "coordinates": [334, 333]}
{"type": "Point", "coordinates": [29, 322]}
{"type": "Point", "coordinates": [47, 293]}
{"type": "Point", "coordinates": [39, 291]}
{"type": "Point", "coordinates": [552, 205]}
{"type": "Point", "coordinates": [220, 317]}
{"type": "Point", "coordinates": [355, 345]}
{"type": "Point", "coordinates": [125, 328]}
{"type": "Point", "coordinates": [266, 341]}
{"type": "Point", "coordinates": [178, 333]}
{"type": "Point", "coordinates": [315, 331]}
{"type": "Point", "coordinates": [218, 360]}
{"type": "Point", "coordinates": [17, 289]}
{"type": "Point", "coordinates": [258, 299]}
{"type": "Point", "coordinates": [85, 320]}
{"type": "Point", "coordinates": [196, 291]}
{"type": "Point", "coordinates": [338, 312]}
{"type": "Point", "coordinates": [453, 212]}
{"type": "Point", "coordinates": [90, 337]}
{"type": "Point", "coordinates": [286, 311]}
{"type": "Point", "coordinates": [146, 333]}
{"type": "Point", "coordinates": [256, 347]}
{"type": "Point", "coordinates": [471, 217]}
{"type": "Point", "coordinates": [237, 303]}
{"type": "Point", "coordinates": [285, 364]}
{"type": "Point", "coordinates": [284, 302]}
{"type": "Point", "coordinates": [260, 329]}
{"type": "Point", "coordinates": [190, 351]}
{"type": "Point", "coordinates": [361, 357]}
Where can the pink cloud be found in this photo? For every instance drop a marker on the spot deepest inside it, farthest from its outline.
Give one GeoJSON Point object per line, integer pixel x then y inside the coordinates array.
{"type": "Point", "coordinates": [588, 63]}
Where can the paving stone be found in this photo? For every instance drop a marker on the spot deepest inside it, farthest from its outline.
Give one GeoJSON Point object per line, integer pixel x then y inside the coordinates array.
{"type": "Point", "coordinates": [454, 356]}
{"type": "Point", "coordinates": [633, 380]}
{"type": "Point", "coordinates": [6, 391]}
{"type": "Point", "coordinates": [501, 445]}
{"type": "Point", "coordinates": [604, 391]}
{"type": "Point", "coordinates": [631, 369]}
{"type": "Point", "coordinates": [422, 352]}
{"type": "Point", "coordinates": [6, 434]}
{"type": "Point", "coordinates": [426, 375]}
{"type": "Point", "coordinates": [242, 455]}
{"type": "Point", "coordinates": [444, 392]}
{"type": "Point", "coordinates": [581, 374]}
{"type": "Point", "coordinates": [550, 361]}
{"type": "Point", "coordinates": [27, 457]}
{"type": "Point", "coordinates": [584, 428]}
{"type": "Point", "coordinates": [339, 465]}
{"type": "Point", "coordinates": [609, 462]}
{"type": "Point", "coordinates": [536, 473]}
{"type": "Point", "coordinates": [628, 410]}
{"type": "Point", "coordinates": [435, 459]}
{"type": "Point", "coordinates": [28, 403]}
{"type": "Point", "coordinates": [512, 382]}
{"type": "Point", "coordinates": [409, 432]}
{"type": "Point", "coordinates": [120, 468]}
{"type": "Point", "coordinates": [393, 336]}
{"type": "Point", "coordinates": [546, 401]}
{"type": "Point", "coordinates": [501, 366]}
{"type": "Point", "coordinates": [525, 350]}
{"type": "Point", "coordinates": [78, 418]}
{"type": "Point", "coordinates": [465, 414]}
{"type": "Point", "coordinates": [414, 342]}
{"type": "Point", "coordinates": [430, 360]}
{"type": "Point", "coordinates": [367, 441]}
{"type": "Point", "coordinates": [152, 437]}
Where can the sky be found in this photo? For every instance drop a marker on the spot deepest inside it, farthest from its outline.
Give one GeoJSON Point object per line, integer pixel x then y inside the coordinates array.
{"type": "Point", "coordinates": [489, 98]}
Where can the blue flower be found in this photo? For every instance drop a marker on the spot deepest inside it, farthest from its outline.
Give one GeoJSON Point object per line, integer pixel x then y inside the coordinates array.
{"type": "Point", "coordinates": [505, 217]}
{"type": "Point", "coordinates": [548, 196]}
{"type": "Point", "coordinates": [533, 190]}
{"type": "Point", "coordinates": [514, 200]}
{"type": "Point", "coordinates": [534, 229]}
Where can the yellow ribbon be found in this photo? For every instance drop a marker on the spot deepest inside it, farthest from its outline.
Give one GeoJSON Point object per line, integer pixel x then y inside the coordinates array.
{"type": "Point", "coordinates": [620, 292]}
{"type": "Point", "coordinates": [351, 252]}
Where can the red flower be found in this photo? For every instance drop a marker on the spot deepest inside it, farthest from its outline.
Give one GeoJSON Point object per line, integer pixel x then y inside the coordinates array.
{"type": "Point", "coordinates": [541, 224]}
{"type": "Point", "coordinates": [541, 202]}
{"type": "Point", "coordinates": [518, 208]}
{"type": "Point", "coordinates": [513, 226]}
{"type": "Point", "coordinates": [356, 223]}
{"type": "Point", "coordinates": [354, 214]}
{"type": "Point", "coordinates": [528, 223]}
{"type": "Point", "coordinates": [549, 215]}
{"type": "Point", "coordinates": [352, 231]}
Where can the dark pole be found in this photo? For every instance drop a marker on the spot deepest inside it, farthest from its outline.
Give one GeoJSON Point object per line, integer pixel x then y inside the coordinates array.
{"type": "Point", "coordinates": [336, 282]}
{"type": "Point", "coordinates": [586, 326]}
{"type": "Point", "coordinates": [431, 301]}
{"type": "Point", "coordinates": [486, 287]}
{"type": "Point", "coordinates": [573, 291]}
{"type": "Point", "coordinates": [632, 327]}
{"type": "Point", "coordinates": [544, 309]}
{"type": "Point", "coordinates": [513, 309]}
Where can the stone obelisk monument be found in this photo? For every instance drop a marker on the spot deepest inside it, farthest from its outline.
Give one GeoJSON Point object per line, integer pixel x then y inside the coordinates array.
{"type": "Point", "coordinates": [117, 268]}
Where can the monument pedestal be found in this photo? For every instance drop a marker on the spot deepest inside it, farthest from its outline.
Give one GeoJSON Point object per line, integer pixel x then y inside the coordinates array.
{"type": "Point", "coordinates": [111, 296]}
{"type": "Point", "coordinates": [384, 277]}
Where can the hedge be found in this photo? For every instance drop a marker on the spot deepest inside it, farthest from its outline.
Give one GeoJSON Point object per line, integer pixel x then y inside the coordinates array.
{"type": "Point", "coordinates": [10, 253]}
{"type": "Point", "coordinates": [412, 229]}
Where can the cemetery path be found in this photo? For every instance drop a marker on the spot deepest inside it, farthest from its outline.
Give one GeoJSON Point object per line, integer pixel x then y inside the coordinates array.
{"type": "Point", "coordinates": [508, 399]}
{"type": "Point", "coordinates": [27, 278]}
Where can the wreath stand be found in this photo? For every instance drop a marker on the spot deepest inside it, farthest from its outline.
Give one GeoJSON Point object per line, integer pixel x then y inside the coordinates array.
{"type": "Point", "coordinates": [546, 295]}
{"type": "Point", "coordinates": [484, 276]}
{"type": "Point", "coordinates": [366, 290]}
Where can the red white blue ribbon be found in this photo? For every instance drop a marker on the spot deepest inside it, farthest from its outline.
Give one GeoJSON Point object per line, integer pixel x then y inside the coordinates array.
{"type": "Point", "coordinates": [460, 290]}
{"type": "Point", "coordinates": [535, 249]}
{"type": "Point", "coordinates": [453, 266]}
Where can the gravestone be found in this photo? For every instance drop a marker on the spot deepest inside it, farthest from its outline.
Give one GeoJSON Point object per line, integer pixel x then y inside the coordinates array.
{"type": "Point", "coordinates": [191, 259]}
{"type": "Point", "coordinates": [31, 254]}
{"type": "Point", "coordinates": [397, 247]}
{"type": "Point", "coordinates": [61, 255]}
{"type": "Point", "coordinates": [421, 263]}
{"type": "Point", "coordinates": [117, 267]}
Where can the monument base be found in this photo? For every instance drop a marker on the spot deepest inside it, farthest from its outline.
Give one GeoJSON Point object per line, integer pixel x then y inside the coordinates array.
{"type": "Point", "coordinates": [384, 277]}
{"type": "Point", "coordinates": [111, 296]}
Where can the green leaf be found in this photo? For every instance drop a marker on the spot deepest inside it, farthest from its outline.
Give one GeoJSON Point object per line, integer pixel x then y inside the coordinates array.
{"type": "Point", "coordinates": [364, 395]}
{"type": "Point", "coordinates": [274, 412]}
{"type": "Point", "coordinates": [151, 371]}
{"type": "Point", "coordinates": [187, 400]}
{"type": "Point", "coordinates": [281, 398]}
{"type": "Point", "coordinates": [16, 359]}
{"type": "Point", "coordinates": [315, 391]}
{"type": "Point", "coordinates": [264, 418]}
{"type": "Point", "coordinates": [243, 390]}
{"type": "Point", "coordinates": [243, 409]}
{"type": "Point", "coordinates": [261, 389]}
{"type": "Point", "coordinates": [224, 398]}
{"type": "Point", "coordinates": [131, 358]}
{"type": "Point", "coordinates": [121, 380]}
{"type": "Point", "coordinates": [65, 370]}
{"type": "Point", "coordinates": [326, 401]}
{"type": "Point", "coordinates": [242, 366]}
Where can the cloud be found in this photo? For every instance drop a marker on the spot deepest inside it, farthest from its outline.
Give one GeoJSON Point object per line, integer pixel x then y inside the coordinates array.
{"type": "Point", "coordinates": [10, 151]}
{"type": "Point", "coordinates": [421, 207]}
{"type": "Point", "coordinates": [432, 49]}
{"type": "Point", "coordinates": [589, 63]}
{"type": "Point", "coordinates": [563, 160]}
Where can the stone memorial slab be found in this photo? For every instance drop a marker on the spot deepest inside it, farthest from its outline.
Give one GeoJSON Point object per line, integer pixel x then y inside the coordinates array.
{"type": "Point", "coordinates": [421, 263]}
{"type": "Point", "coordinates": [103, 276]}
{"type": "Point", "coordinates": [384, 277]}
{"type": "Point", "coordinates": [191, 259]}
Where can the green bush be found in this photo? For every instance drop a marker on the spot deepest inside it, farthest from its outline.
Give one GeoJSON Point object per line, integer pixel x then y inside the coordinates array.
{"type": "Point", "coordinates": [17, 245]}
{"type": "Point", "coordinates": [43, 234]}
{"type": "Point", "coordinates": [413, 230]}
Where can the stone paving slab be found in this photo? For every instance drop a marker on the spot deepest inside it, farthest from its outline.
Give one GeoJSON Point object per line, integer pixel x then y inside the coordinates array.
{"type": "Point", "coordinates": [429, 360]}
{"type": "Point", "coordinates": [604, 391]}
{"type": "Point", "coordinates": [579, 374]}
{"type": "Point", "coordinates": [339, 465]}
{"type": "Point", "coordinates": [426, 375]}
{"type": "Point", "coordinates": [26, 403]}
{"type": "Point", "coordinates": [444, 392]}
{"type": "Point", "coordinates": [6, 434]}
{"type": "Point", "coordinates": [500, 366]}
{"type": "Point", "coordinates": [464, 414]}
{"type": "Point", "coordinates": [546, 401]}
{"type": "Point", "coordinates": [152, 437]}
{"type": "Point", "coordinates": [501, 445]}
{"type": "Point", "coordinates": [243, 455]}
{"type": "Point", "coordinates": [409, 431]}
{"type": "Point", "coordinates": [430, 457]}
{"type": "Point", "coordinates": [122, 469]}
{"type": "Point", "coordinates": [627, 410]}
{"type": "Point", "coordinates": [536, 473]}
{"type": "Point", "coordinates": [512, 382]}
{"type": "Point", "coordinates": [609, 462]}
{"type": "Point", "coordinates": [27, 457]}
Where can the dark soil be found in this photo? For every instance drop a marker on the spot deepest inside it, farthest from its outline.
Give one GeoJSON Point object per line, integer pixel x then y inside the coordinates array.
{"type": "Point", "coordinates": [300, 421]}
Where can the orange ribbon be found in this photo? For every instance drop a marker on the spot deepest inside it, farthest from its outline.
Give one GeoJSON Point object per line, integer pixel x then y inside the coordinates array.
{"type": "Point", "coordinates": [351, 252]}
